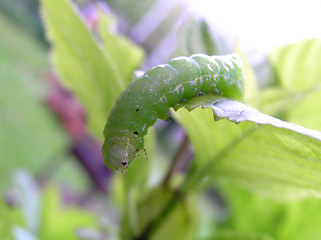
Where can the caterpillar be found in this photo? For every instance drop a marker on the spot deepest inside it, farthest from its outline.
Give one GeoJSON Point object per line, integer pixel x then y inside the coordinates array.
{"type": "Point", "coordinates": [150, 96]}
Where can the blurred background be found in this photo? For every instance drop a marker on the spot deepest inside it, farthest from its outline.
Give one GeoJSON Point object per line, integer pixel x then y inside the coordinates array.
{"type": "Point", "coordinates": [50, 159]}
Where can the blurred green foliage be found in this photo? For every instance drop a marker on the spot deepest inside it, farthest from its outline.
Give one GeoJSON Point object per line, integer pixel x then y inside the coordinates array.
{"type": "Point", "coordinates": [280, 220]}
{"type": "Point", "coordinates": [24, 13]}
{"type": "Point", "coordinates": [182, 223]}
{"type": "Point", "coordinates": [250, 211]}
{"type": "Point", "coordinates": [61, 222]}
{"type": "Point", "coordinates": [302, 86]}
{"type": "Point", "coordinates": [253, 166]}
{"type": "Point", "coordinates": [10, 218]}
{"type": "Point", "coordinates": [22, 64]}
{"type": "Point", "coordinates": [132, 11]}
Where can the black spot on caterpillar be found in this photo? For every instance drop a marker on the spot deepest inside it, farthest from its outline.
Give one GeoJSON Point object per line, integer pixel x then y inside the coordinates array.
{"type": "Point", "coordinates": [160, 88]}
{"type": "Point", "coordinates": [124, 163]}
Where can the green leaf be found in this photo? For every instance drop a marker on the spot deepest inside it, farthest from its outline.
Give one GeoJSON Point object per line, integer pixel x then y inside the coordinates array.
{"type": "Point", "coordinates": [251, 93]}
{"type": "Point", "coordinates": [30, 135]}
{"type": "Point", "coordinates": [301, 221]}
{"type": "Point", "coordinates": [265, 154]}
{"type": "Point", "coordinates": [83, 66]}
{"type": "Point", "coordinates": [19, 48]}
{"type": "Point", "coordinates": [126, 55]}
{"type": "Point", "coordinates": [196, 35]}
{"type": "Point", "coordinates": [274, 101]}
{"type": "Point", "coordinates": [207, 137]}
{"type": "Point", "coordinates": [21, 118]}
{"type": "Point", "coordinates": [245, 206]}
{"type": "Point", "coordinates": [61, 222]}
{"type": "Point", "coordinates": [238, 112]}
{"type": "Point", "coordinates": [297, 67]}
{"type": "Point", "coordinates": [306, 111]}
{"type": "Point", "coordinates": [282, 220]}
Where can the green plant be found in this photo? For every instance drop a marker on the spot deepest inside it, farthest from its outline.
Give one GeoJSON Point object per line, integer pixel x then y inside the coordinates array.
{"type": "Point", "coordinates": [262, 154]}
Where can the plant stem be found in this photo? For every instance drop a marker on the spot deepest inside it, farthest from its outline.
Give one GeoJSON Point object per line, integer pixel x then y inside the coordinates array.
{"type": "Point", "coordinates": [193, 179]}
{"type": "Point", "coordinates": [159, 219]}
{"type": "Point", "coordinates": [178, 195]}
{"type": "Point", "coordinates": [177, 160]}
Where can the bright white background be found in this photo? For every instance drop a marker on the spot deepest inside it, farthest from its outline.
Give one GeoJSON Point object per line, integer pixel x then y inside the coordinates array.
{"type": "Point", "coordinates": [264, 24]}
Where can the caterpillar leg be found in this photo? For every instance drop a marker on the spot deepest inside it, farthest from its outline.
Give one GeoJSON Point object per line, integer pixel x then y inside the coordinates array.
{"type": "Point", "coordinates": [138, 152]}
{"type": "Point", "coordinates": [145, 153]}
{"type": "Point", "coordinates": [166, 117]}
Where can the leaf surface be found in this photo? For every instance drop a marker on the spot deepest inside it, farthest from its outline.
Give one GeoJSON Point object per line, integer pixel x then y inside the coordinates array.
{"type": "Point", "coordinates": [126, 55]}
{"type": "Point", "coordinates": [262, 152]}
{"type": "Point", "coordinates": [83, 66]}
{"type": "Point", "coordinates": [297, 67]}
{"type": "Point", "coordinates": [281, 220]}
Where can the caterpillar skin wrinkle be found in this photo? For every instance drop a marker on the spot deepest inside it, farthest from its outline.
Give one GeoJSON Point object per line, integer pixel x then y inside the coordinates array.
{"type": "Point", "coordinates": [150, 96]}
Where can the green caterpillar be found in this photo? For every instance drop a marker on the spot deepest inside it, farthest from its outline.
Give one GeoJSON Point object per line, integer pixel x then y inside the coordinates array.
{"type": "Point", "coordinates": [150, 96]}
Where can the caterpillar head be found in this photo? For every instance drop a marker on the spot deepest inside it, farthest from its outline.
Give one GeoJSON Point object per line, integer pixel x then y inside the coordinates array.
{"type": "Point", "coordinates": [118, 156]}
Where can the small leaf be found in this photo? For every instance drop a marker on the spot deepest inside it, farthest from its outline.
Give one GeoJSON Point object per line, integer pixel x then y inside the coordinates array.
{"type": "Point", "coordinates": [126, 55]}
{"type": "Point", "coordinates": [84, 67]}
